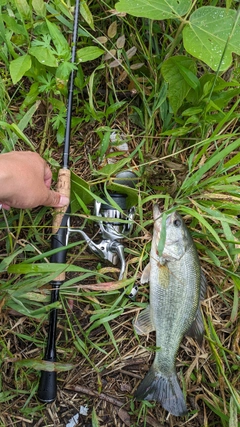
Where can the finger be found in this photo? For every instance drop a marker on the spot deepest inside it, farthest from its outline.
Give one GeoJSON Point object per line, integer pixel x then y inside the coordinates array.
{"type": "Point", "coordinates": [47, 175]}
{"type": "Point", "coordinates": [56, 200]}
{"type": "Point", "coordinates": [5, 206]}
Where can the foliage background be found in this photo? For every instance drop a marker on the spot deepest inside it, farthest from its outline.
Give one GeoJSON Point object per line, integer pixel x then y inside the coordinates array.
{"type": "Point", "coordinates": [166, 82]}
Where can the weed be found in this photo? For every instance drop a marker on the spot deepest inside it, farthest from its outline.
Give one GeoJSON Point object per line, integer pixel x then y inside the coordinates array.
{"type": "Point", "coordinates": [148, 80]}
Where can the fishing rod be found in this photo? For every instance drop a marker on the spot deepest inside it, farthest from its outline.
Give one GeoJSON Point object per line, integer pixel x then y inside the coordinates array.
{"type": "Point", "coordinates": [47, 390]}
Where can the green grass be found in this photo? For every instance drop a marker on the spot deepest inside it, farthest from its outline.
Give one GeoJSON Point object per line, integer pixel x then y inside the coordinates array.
{"type": "Point", "coordinates": [187, 159]}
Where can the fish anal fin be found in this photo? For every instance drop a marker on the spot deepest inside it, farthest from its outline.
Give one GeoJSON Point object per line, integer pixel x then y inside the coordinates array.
{"type": "Point", "coordinates": [164, 389]}
{"type": "Point", "coordinates": [143, 324]}
{"type": "Point", "coordinates": [196, 329]}
{"type": "Point", "coordinates": [146, 274]}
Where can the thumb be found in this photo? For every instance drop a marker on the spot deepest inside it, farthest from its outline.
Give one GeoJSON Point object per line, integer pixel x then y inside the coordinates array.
{"type": "Point", "coordinates": [56, 200]}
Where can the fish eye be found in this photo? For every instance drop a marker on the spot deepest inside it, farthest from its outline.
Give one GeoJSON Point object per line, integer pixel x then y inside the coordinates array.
{"type": "Point", "coordinates": [177, 222]}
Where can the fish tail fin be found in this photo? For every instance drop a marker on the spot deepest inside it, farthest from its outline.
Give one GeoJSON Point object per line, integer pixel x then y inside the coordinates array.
{"type": "Point", "coordinates": [164, 389]}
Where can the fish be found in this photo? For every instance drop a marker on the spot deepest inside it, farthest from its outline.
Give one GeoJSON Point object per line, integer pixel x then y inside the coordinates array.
{"type": "Point", "coordinates": [177, 287]}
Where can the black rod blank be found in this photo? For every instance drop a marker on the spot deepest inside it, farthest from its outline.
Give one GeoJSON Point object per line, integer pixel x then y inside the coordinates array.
{"type": "Point", "coordinates": [47, 390]}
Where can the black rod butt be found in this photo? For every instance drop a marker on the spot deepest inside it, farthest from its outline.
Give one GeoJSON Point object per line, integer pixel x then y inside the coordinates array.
{"type": "Point", "coordinates": [47, 390]}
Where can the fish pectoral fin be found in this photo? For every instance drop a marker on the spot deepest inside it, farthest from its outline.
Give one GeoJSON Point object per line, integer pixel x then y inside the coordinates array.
{"type": "Point", "coordinates": [196, 329]}
{"type": "Point", "coordinates": [143, 324]}
{"type": "Point", "coordinates": [146, 274]}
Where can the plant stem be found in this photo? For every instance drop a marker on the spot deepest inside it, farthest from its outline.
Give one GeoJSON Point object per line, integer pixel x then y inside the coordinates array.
{"type": "Point", "coordinates": [179, 31]}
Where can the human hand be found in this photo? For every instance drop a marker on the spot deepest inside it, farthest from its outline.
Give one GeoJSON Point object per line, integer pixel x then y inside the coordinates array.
{"type": "Point", "coordinates": [25, 180]}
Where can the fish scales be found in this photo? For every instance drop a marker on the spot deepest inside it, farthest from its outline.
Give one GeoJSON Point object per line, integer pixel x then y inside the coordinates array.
{"type": "Point", "coordinates": [172, 308]}
{"type": "Point", "coordinates": [175, 285]}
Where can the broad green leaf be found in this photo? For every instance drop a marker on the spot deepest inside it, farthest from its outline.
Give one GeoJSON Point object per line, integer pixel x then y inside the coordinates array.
{"type": "Point", "coordinates": [31, 96]}
{"type": "Point", "coordinates": [114, 107]}
{"type": "Point", "coordinates": [65, 8]}
{"type": "Point", "coordinates": [41, 365]}
{"type": "Point", "coordinates": [44, 55]}
{"type": "Point", "coordinates": [192, 111]}
{"type": "Point", "coordinates": [189, 77]}
{"type": "Point", "coordinates": [154, 9]}
{"type": "Point", "coordinates": [13, 25]}
{"type": "Point", "coordinates": [112, 169]}
{"type": "Point", "coordinates": [104, 143]}
{"type": "Point", "coordinates": [172, 71]}
{"type": "Point", "coordinates": [212, 32]}
{"type": "Point", "coordinates": [80, 193]}
{"type": "Point", "coordinates": [89, 53]}
{"type": "Point", "coordinates": [62, 75]}
{"type": "Point", "coordinates": [23, 8]}
{"type": "Point", "coordinates": [59, 40]}
{"type": "Point", "coordinates": [18, 67]}
{"type": "Point", "coordinates": [86, 14]}
{"type": "Point", "coordinates": [39, 7]}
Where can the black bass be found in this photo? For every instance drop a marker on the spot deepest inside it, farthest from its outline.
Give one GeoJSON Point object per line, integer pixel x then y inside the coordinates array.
{"type": "Point", "coordinates": [176, 287]}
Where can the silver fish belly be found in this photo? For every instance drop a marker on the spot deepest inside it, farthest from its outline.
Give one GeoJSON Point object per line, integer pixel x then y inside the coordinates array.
{"type": "Point", "coordinates": [176, 287]}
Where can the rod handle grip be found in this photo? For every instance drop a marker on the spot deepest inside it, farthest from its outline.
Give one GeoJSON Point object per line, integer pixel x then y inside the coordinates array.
{"type": "Point", "coordinates": [63, 187]}
{"type": "Point", "coordinates": [47, 390]}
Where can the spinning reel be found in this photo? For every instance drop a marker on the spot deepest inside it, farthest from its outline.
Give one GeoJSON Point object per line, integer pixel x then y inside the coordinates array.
{"type": "Point", "coordinates": [114, 225]}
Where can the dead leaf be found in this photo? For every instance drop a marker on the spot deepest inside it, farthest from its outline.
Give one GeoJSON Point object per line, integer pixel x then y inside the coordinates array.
{"type": "Point", "coordinates": [112, 30]}
{"type": "Point", "coordinates": [125, 387]}
{"type": "Point", "coordinates": [136, 66]}
{"type": "Point", "coordinates": [152, 422]}
{"type": "Point", "coordinates": [110, 54]}
{"type": "Point", "coordinates": [115, 63]}
{"type": "Point", "coordinates": [121, 42]}
{"type": "Point", "coordinates": [115, 12]}
{"type": "Point", "coordinates": [131, 52]}
{"type": "Point", "coordinates": [102, 39]}
{"type": "Point", "coordinates": [122, 77]}
{"type": "Point", "coordinates": [125, 417]}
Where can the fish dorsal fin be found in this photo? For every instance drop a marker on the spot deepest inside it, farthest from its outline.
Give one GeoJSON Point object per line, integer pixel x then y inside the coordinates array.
{"type": "Point", "coordinates": [146, 274]}
{"type": "Point", "coordinates": [143, 324]}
